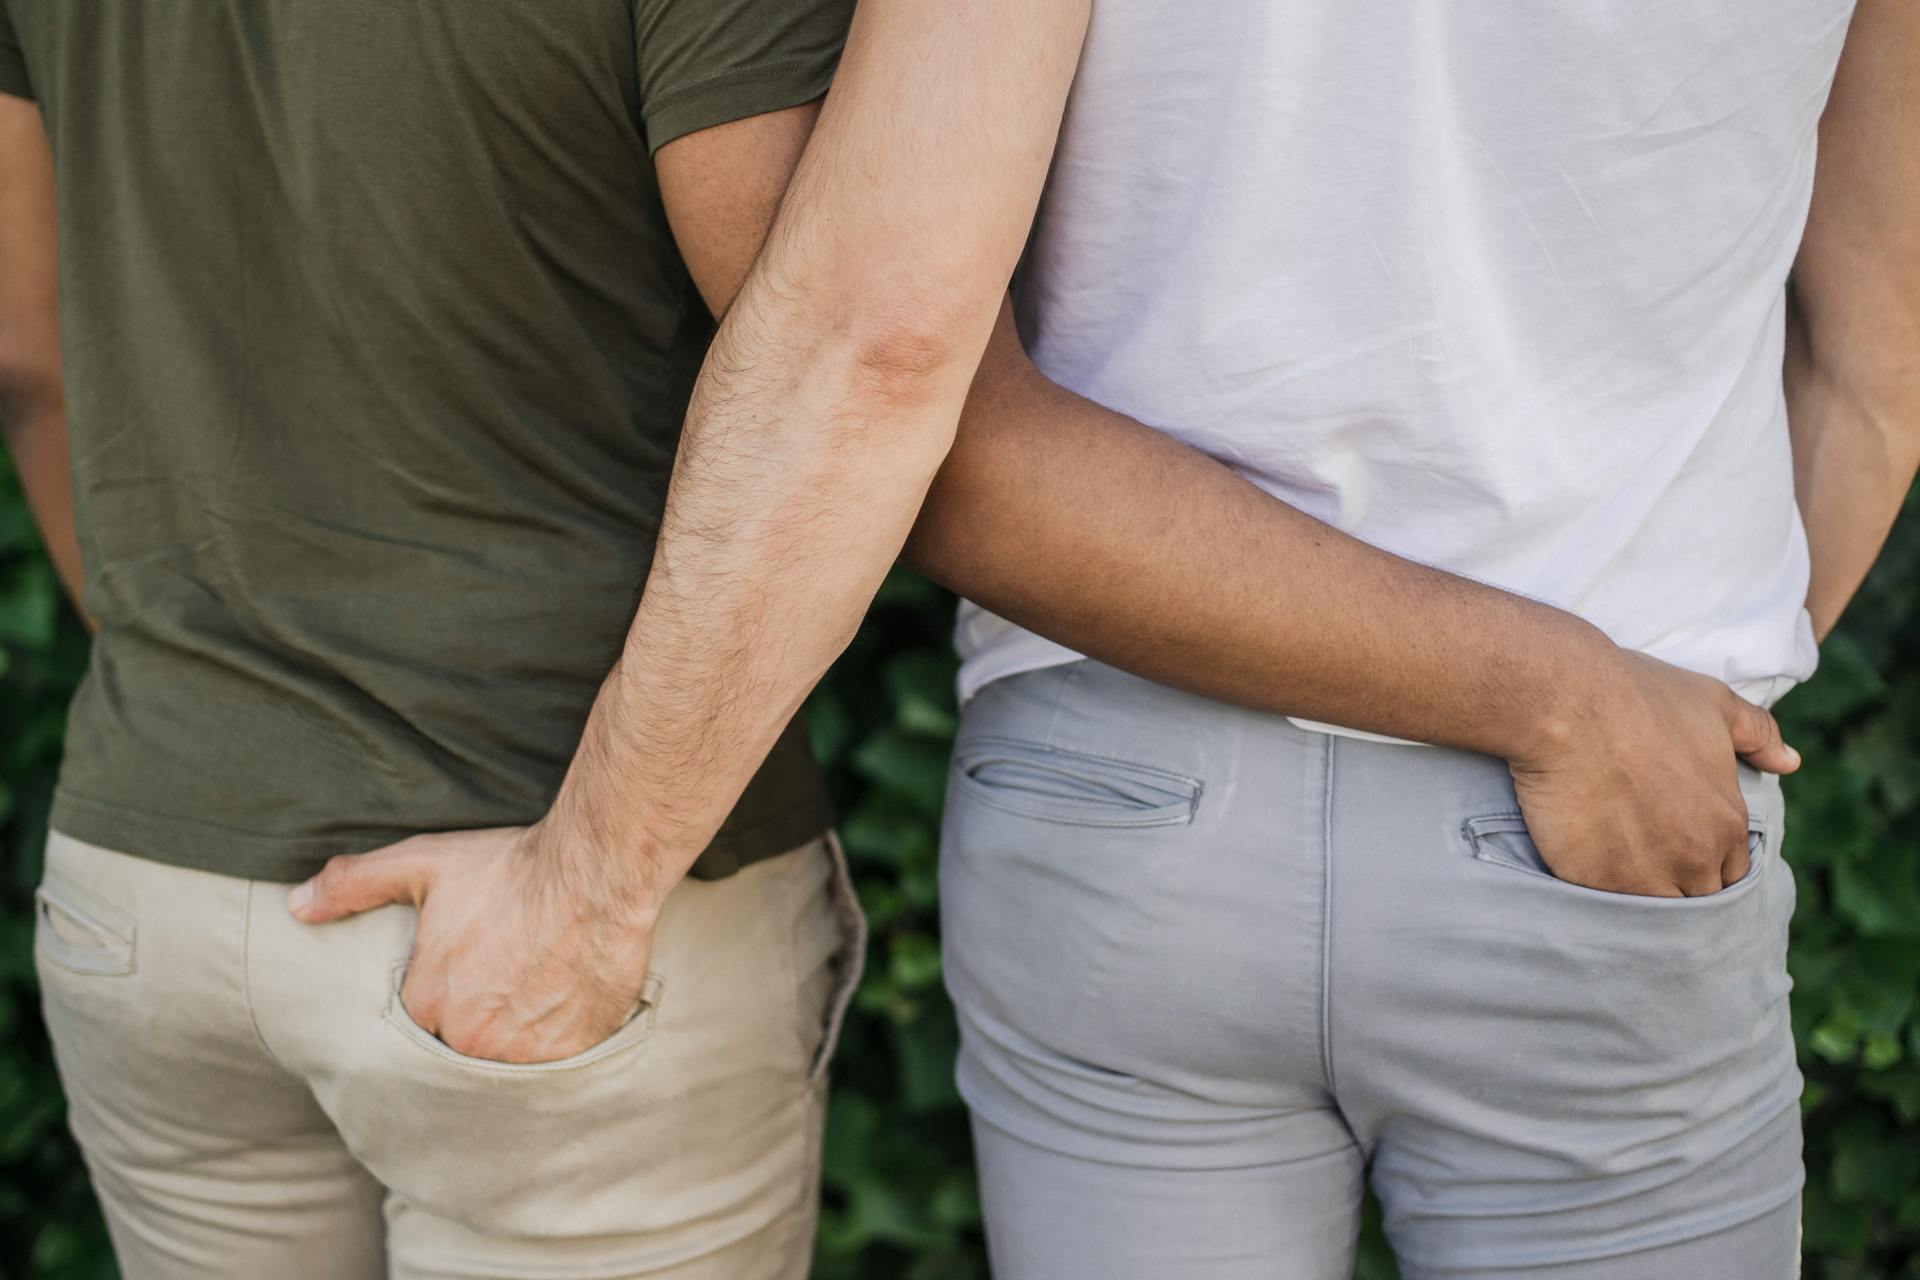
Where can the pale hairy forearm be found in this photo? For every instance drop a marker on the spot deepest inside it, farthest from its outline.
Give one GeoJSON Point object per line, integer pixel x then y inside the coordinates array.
{"type": "Point", "coordinates": [762, 572]}
{"type": "Point", "coordinates": [1108, 537]}
{"type": "Point", "coordinates": [1853, 351]}
{"type": "Point", "coordinates": [827, 401]}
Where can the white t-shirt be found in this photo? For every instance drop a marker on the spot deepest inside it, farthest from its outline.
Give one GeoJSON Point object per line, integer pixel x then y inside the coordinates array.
{"type": "Point", "coordinates": [1495, 285]}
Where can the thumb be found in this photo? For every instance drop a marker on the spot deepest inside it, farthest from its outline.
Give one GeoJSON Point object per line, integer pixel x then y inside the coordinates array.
{"type": "Point", "coordinates": [1756, 736]}
{"type": "Point", "coordinates": [352, 883]}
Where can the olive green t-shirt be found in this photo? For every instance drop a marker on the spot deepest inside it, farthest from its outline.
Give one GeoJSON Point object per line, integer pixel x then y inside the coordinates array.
{"type": "Point", "coordinates": [377, 345]}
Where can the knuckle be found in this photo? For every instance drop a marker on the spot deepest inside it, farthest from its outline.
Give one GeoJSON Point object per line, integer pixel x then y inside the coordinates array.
{"type": "Point", "coordinates": [465, 1046]}
{"type": "Point", "coordinates": [423, 1010]}
{"type": "Point", "coordinates": [1702, 853]}
{"type": "Point", "coordinates": [465, 1041]}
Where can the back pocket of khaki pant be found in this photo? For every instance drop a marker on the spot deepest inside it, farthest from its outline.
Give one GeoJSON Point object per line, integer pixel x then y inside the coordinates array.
{"type": "Point", "coordinates": [635, 1031]}
{"type": "Point", "coordinates": [1053, 784]}
{"type": "Point", "coordinates": [80, 931]}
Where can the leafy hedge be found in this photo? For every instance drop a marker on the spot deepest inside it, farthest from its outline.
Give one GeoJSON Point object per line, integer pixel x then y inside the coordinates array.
{"type": "Point", "coordinates": [901, 1204]}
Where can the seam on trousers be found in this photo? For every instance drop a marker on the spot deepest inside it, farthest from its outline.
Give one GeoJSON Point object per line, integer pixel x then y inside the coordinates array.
{"type": "Point", "coordinates": [1326, 911]}
{"type": "Point", "coordinates": [1068, 674]}
{"type": "Point", "coordinates": [807, 1229]}
{"type": "Point", "coordinates": [246, 975]}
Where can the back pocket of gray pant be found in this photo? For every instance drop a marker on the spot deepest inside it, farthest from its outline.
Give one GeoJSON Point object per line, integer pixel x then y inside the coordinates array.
{"type": "Point", "coordinates": [1052, 784]}
{"type": "Point", "coordinates": [1502, 840]}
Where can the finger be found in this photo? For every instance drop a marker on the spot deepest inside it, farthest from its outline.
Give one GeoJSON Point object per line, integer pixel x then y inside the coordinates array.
{"type": "Point", "coordinates": [422, 998]}
{"type": "Point", "coordinates": [1724, 845]}
{"type": "Point", "coordinates": [1704, 884]}
{"type": "Point", "coordinates": [1756, 736]}
{"type": "Point", "coordinates": [1734, 839]}
{"type": "Point", "coordinates": [352, 883]}
{"type": "Point", "coordinates": [1734, 869]}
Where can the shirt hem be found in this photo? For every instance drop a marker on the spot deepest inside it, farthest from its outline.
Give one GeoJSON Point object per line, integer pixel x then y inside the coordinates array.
{"type": "Point", "coordinates": [13, 77]}
{"type": "Point", "coordinates": [1011, 655]}
{"type": "Point", "coordinates": [206, 846]}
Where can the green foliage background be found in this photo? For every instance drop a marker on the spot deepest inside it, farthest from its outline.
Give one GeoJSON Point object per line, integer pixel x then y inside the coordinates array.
{"type": "Point", "coordinates": [900, 1198]}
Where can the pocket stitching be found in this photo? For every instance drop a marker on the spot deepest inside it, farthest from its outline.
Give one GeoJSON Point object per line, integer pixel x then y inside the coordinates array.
{"type": "Point", "coordinates": [112, 959]}
{"type": "Point", "coordinates": [1175, 813]}
{"type": "Point", "coordinates": [1508, 822]}
{"type": "Point", "coordinates": [635, 1033]}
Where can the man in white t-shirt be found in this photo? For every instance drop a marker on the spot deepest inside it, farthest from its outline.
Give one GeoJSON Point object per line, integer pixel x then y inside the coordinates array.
{"type": "Point", "coordinates": [1482, 307]}
{"type": "Point", "coordinates": [1499, 290]}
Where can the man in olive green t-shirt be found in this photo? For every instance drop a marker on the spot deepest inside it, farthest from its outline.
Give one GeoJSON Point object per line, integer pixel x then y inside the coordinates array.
{"type": "Point", "coordinates": [378, 325]}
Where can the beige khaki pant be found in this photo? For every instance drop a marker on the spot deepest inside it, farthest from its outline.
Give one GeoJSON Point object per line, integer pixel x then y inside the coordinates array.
{"type": "Point", "coordinates": [254, 1101]}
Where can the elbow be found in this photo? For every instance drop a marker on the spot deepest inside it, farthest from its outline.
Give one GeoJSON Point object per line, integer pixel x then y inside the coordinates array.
{"type": "Point", "coordinates": [873, 366]}
{"type": "Point", "coordinates": [922, 363]}
{"type": "Point", "coordinates": [1860, 376]}
{"type": "Point", "coordinates": [887, 342]}
{"type": "Point", "coordinates": [29, 387]}
{"type": "Point", "coordinates": [28, 411]}
{"type": "Point", "coordinates": [897, 392]}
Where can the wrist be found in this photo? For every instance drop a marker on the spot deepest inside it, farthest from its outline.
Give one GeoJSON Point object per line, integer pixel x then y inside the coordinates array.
{"type": "Point", "coordinates": [1562, 694]}
{"type": "Point", "coordinates": [605, 870]}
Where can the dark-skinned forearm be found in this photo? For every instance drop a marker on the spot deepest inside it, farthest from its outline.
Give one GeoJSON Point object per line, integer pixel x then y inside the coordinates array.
{"type": "Point", "coordinates": [1855, 453]}
{"type": "Point", "coordinates": [1853, 336]}
{"type": "Point", "coordinates": [1127, 545]}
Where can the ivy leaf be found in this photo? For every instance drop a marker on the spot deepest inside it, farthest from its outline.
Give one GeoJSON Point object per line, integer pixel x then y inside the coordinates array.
{"type": "Point", "coordinates": [1880, 895]}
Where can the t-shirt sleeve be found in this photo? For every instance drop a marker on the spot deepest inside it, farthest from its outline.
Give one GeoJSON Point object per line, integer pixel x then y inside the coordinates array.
{"type": "Point", "coordinates": [13, 67]}
{"type": "Point", "coordinates": [706, 62]}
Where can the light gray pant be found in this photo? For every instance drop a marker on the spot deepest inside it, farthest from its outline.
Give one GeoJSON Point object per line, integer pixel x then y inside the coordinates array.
{"type": "Point", "coordinates": [1212, 968]}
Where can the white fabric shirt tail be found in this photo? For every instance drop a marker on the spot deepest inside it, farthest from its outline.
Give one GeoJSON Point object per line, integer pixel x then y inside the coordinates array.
{"type": "Point", "coordinates": [1499, 287]}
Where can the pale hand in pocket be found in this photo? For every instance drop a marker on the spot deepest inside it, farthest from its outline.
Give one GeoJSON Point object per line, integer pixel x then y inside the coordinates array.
{"type": "Point", "coordinates": [515, 958]}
